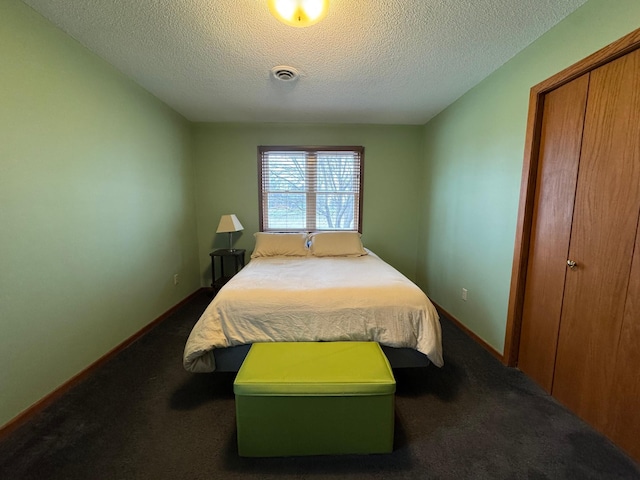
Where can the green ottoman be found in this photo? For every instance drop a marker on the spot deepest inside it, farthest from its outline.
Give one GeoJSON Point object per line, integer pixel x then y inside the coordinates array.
{"type": "Point", "coordinates": [314, 398]}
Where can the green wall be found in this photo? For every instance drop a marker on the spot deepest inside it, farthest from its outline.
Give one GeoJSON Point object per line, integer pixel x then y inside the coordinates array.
{"type": "Point", "coordinates": [473, 165]}
{"type": "Point", "coordinates": [226, 161]}
{"type": "Point", "coordinates": [96, 208]}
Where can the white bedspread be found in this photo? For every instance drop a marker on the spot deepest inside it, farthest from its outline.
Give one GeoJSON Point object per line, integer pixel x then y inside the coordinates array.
{"type": "Point", "coordinates": [289, 299]}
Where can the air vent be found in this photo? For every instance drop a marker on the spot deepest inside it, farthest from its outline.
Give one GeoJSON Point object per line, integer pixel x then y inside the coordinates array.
{"type": "Point", "coordinates": [286, 74]}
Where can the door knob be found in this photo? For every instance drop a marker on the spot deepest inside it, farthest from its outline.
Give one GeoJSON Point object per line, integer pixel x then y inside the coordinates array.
{"type": "Point", "coordinates": [572, 264]}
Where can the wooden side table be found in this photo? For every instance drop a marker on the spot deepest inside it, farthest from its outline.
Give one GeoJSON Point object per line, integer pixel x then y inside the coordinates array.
{"type": "Point", "coordinates": [236, 255]}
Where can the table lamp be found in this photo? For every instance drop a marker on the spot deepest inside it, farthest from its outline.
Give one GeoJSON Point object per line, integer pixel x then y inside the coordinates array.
{"type": "Point", "coordinates": [229, 224]}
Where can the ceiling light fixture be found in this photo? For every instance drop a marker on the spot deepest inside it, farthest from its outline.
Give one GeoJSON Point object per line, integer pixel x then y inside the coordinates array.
{"type": "Point", "coordinates": [299, 13]}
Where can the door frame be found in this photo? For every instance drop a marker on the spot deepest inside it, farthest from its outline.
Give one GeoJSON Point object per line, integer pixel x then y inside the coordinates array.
{"type": "Point", "coordinates": [617, 49]}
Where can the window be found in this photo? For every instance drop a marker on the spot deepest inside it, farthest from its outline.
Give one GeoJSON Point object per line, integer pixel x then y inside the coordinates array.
{"type": "Point", "coordinates": [310, 188]}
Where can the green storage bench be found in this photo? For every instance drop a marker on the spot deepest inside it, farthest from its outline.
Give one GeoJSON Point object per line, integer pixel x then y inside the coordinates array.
{"type": "Point", "coordinates": [314, 398]}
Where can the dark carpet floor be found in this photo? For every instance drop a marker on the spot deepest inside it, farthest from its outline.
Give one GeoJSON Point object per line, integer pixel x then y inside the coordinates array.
{"type": "Point", "coordinates": [142, 416]}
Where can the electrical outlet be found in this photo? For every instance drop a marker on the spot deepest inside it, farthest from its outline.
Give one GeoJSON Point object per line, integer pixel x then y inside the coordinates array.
{"type": "Point", "coordinates": [464, 294]}
{"type": "Point", "coordinates": [175, 279]}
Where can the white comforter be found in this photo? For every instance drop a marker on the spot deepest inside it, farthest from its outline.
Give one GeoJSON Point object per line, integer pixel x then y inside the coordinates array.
{"type": "Point", "coordinates": [288, 299]}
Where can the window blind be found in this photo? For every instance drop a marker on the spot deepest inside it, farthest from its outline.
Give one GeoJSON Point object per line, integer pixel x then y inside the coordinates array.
{"type": "Point", "coordinates": [310, 188]}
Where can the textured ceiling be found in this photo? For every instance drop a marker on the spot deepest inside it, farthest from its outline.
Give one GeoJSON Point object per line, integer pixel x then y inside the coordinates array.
{"type": "Point", "coordinates": [368, 61]}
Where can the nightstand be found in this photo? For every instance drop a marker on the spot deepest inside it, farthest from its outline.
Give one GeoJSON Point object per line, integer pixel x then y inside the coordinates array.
{"type": "Point", "coordinates": [236, 257]}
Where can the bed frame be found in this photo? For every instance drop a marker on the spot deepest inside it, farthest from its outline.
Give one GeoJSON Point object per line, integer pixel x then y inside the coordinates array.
{"type": "Point", "coordinates": [230, 359]}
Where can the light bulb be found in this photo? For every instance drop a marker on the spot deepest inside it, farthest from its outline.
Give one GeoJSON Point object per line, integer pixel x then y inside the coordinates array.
{"type": "Point", "coordinates": [286, 8]}
{"type": "Point", "coordinates": [299, 13]}
{"type": "Point", "coordinates": [313, 8]}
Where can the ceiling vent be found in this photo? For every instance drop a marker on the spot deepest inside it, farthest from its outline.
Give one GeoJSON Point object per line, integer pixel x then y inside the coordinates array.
{"type": "Point", "coordinates": [286, 74]}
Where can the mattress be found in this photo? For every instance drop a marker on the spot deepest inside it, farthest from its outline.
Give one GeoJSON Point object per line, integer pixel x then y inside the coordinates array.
{"type": "Point", "coordinates": [293, 299]}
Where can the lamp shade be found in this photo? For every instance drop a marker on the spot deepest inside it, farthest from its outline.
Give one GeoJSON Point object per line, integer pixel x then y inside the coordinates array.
{"type": "Point", "coordinates": [229, 223]}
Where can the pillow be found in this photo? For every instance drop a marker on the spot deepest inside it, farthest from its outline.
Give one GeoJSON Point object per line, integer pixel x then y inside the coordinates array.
{"type": "Point", "coordinates": [280, 244]}
{"type": "Point", "coordinates": [336, 244]}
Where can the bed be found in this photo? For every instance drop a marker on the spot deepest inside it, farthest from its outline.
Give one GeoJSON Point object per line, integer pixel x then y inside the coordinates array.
{"type": "Point", "coordinates": [326, 287]}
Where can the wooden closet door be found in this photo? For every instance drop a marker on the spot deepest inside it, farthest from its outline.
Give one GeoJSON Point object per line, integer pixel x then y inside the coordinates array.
{"type": "Point", "coordinates": [625, 419]}
{"type": "Point", "coordinates": [560, 142]}
{"type": "Point", "coordinates": [602, 242]}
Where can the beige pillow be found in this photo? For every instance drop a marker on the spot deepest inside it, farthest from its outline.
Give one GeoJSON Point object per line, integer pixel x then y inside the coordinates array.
{"type": "Point", "coordinates": [336, 244]}
{"type": "Point", "coordinates": [280, 244]}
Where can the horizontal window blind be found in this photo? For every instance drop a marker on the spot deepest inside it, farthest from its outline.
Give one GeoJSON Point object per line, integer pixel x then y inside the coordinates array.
{"type": "Point", "coordinates": [310, 188]}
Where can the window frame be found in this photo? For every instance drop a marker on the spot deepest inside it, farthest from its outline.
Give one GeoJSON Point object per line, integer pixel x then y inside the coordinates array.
{"type": "Point", "coordinates": [311, 194]}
